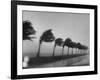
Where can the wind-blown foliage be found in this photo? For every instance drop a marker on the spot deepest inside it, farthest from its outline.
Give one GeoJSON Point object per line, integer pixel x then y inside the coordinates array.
{"type": "Point", "coordinates": [78, 46]}
{"type": "Point", "coordinates": [47, 36]}
{"type": "Point", "coordinates": [67, 43]}
{"type": "Point", "coordinates": [28, 30]}
{"type": "Point", "coordinates": [72, 45]}
{"type": "Point", "coordinates": [58, 42]}
{"type": "Point", "coordinates": [83, 47]}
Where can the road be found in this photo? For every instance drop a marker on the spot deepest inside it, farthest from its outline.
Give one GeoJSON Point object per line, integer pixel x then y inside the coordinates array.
{"type": "Point", "coordinates": [76, 61]}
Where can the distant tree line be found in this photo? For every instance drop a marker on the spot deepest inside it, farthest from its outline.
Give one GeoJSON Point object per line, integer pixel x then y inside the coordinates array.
{"type": "Point", "coordinates": [48, 36]}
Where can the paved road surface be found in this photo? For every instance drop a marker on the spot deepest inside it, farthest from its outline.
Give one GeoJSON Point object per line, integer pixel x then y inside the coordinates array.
{"type": "Point", "coordinates": [77, 61]}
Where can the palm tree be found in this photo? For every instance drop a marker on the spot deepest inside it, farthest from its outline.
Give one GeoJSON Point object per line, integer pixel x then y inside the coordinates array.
{"type": "Point", "coordinates": [28, 30]}
{"type": "Point", "coordinates": [86, 48]}
{"type": "Point", "coordinates": [78, 46]}
{"type": "Point", "coordinates": [47, 36]}
{"type": "Point", "coordinates": [58, 42]}
{"type": "Point", "coordinates": [83, 47]}
{"type": "Point", "coordinates": [67, 43]}
{"type": "Point", "coordinates": [73, 45]}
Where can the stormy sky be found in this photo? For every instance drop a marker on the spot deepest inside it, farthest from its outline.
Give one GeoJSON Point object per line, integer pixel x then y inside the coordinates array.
{"type": "Point", "coordinates": [63, 25]}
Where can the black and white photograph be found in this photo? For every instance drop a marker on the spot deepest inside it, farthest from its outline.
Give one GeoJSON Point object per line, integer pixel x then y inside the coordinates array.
{"type": "Point", "coordinates": [53, 39]}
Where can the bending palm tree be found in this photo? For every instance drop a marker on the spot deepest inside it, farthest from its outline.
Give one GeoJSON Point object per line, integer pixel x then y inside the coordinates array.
{"type": "Point", "coordinates": [73, 45]}
{"type": "Point", "coordinates": [28, 30]}
{"type": "Point", "coordinates": [58, 42]}
{"type": "Point", "coordinates": [83, 47]}
{"type": "Point", "coordinates": [67, 43]}
{"type": "Point", "coordinates": [47, 36]}
{"type": "Point", "coordinates": [79, 47]}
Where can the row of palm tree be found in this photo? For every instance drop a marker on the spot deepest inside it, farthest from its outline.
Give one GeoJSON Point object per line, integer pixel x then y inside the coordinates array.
{"type": "Point", "coordinates": [48, 36]}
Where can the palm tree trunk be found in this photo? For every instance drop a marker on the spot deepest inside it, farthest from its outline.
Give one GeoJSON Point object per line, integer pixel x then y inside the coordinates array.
{"type": "Point", "coordinates": [54, 50]}
{"type": "Point", "coordinates": [38, 54]}
{"type": "Point", "coordinates": [77, 51]}
{"type": "Point", "coordinates": [80, 51]}
{"type": "Point", "coordinates": [68, 51]}
{"type": "Point", "coordinates": [62, 51]}
{"type": "Point", "coordinates": [72, 51]}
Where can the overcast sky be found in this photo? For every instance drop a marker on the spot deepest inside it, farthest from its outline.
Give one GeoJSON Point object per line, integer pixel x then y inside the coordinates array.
{"type": "Point", "coordinates": [64, 25]}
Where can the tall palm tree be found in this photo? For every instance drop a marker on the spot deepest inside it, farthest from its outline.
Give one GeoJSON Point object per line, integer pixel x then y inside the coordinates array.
{"type": "Point", "coordinates": [86, 48]}
{"type": "Point", "coordinates": [73, 45]}
{"type": "Point", "coordinates": [47, 36]}
{"type": "Point", "coordinates": [67, 43]}
{"type": "Point", "coordinates": [28, 30]}
{"type": "Point", "coordinates": [78, 47]}
{"type": "Point", "coordinates": [58, 42]}
{"type": "Point", "coordinates": [83, 47]}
